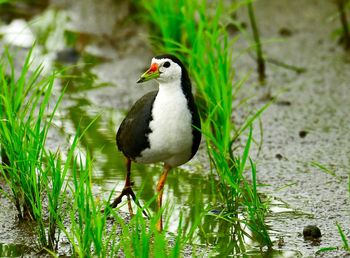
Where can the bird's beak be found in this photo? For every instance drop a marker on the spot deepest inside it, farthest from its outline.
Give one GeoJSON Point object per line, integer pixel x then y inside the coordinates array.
{"type": "Point", "coordinates": [151, 73]}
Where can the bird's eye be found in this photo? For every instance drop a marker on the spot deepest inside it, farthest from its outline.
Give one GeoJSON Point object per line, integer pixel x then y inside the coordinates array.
{"type": "Point", "coordinates": [166, 64]}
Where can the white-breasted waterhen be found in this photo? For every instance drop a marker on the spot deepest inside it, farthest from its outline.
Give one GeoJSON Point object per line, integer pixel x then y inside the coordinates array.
{"type": "Point", "coordinates": [162, 126]}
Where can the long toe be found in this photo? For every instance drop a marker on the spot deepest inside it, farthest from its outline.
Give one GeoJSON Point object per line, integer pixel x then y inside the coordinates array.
{"type": "Point", "coordinates": [127, 191]}
{"type": "Point", "coordinates": [129, 205]}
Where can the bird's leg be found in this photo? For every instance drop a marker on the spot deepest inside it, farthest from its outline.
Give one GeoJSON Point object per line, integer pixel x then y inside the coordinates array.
{"type": "Point", "coordinates": [128, 185]}
{"type": "Point", "coordinates": [127, 190]}
{"type": "Point", "coordinates": [160, 187]}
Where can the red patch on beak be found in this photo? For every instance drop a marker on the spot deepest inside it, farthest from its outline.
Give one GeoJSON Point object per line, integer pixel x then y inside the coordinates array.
{"type": "Point", "coordinates": [153, 68]}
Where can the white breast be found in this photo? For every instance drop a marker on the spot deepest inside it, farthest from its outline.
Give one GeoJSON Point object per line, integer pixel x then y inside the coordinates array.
{"type": "Point", "coordinates": [171, 126]}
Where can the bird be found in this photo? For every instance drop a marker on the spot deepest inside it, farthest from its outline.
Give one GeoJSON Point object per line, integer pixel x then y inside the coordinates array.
{"type": "Point", "coordinates": [162, 126]}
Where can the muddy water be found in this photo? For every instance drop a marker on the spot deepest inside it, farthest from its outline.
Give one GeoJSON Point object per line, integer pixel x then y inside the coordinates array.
{"type": "Point", "coordinates": [111, 52]}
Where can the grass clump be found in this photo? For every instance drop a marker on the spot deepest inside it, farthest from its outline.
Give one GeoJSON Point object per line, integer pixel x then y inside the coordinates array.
{"type": "Point", "coordinates": [25, 123]}
{"type": "Point", "coordinates": [87, 227]}
{"type": "Point", "coordinates": [200, 37]}
{"type": "Point", "coordinates": [38, 178]}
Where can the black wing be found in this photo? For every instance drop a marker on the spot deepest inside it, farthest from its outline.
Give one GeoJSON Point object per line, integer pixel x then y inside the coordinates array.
{"type": "Point", "coordinates": [132, 134]}
{"type": "Point", "coordinates": [196, 126]}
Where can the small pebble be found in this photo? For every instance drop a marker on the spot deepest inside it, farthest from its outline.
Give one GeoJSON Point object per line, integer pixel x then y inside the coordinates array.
{"type": "Point", "coordinates": [278, 156]}
{"type": "Point", "coordinates": [303, 134]}
{"type": "Point", "coordinates": [285, 32]}
{"type": "Point", "coordinates": [311, 232]}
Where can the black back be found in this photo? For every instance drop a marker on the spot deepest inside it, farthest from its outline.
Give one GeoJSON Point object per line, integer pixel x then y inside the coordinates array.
{"type": "Point", "coordinates": [132, 134]}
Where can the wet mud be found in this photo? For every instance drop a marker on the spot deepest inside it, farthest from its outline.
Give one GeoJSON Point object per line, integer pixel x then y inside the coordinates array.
{"type": "Point", "coordinates": [307, 123]}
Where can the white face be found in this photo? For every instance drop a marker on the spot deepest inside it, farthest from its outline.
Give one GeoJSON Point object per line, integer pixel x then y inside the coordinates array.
{"type": "Point", "coordinates": [169, 70]}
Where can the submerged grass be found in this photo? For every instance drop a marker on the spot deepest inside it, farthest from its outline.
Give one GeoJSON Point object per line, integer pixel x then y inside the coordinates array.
{"type": "Point", "coordinates": [196, 32]}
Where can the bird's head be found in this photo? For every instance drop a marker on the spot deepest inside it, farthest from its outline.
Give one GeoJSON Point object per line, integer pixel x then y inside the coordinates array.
{"type": "Point", "coordinates": [164, 68]}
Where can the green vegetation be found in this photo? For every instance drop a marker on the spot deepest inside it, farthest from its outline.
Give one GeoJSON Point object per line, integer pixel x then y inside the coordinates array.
{"type": "Point", "coordinates": [200, 37]}
{"type": "Point", "coordinates": [140, 239]}
{"type": "Point", "coordinates": [87, 229]}
{"type": "Point", "coordinates": [344, 239]}
{"type": "Point", "coordinates": [23, 132]}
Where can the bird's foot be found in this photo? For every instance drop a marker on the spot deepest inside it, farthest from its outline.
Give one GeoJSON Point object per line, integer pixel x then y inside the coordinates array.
{"type": "Point", "coordinates": [127, 191]}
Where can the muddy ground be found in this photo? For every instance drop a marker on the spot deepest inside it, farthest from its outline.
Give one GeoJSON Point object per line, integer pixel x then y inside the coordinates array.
{"type": "Point", "coordinates": [308, 122]}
